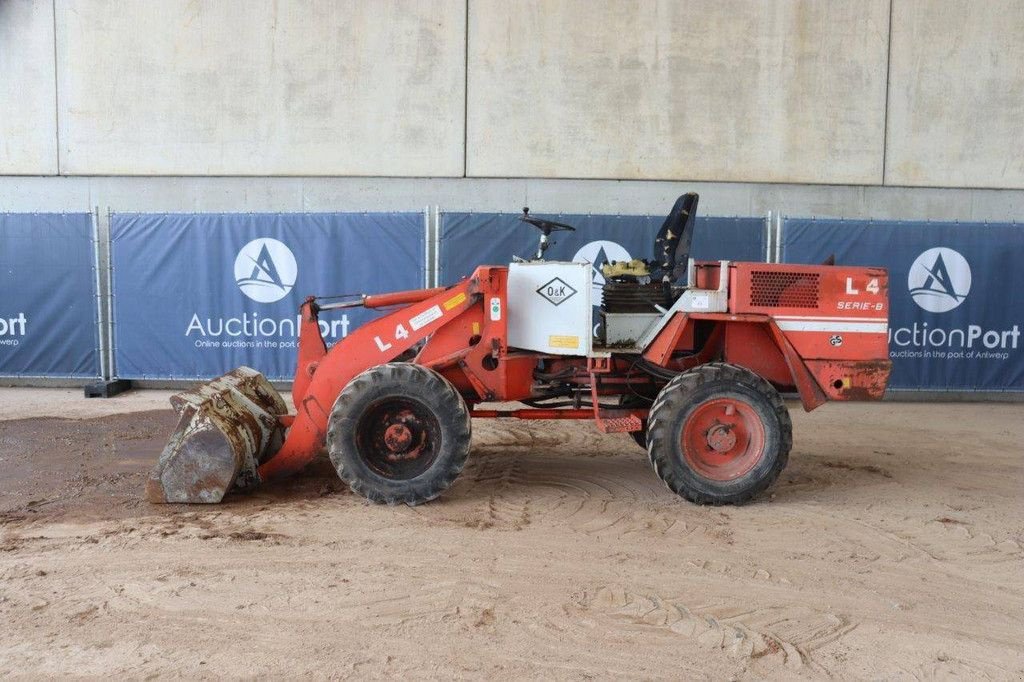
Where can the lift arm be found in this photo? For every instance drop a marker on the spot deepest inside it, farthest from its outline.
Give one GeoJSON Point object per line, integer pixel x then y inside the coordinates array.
{"type": "Point", "coordinates": [322, 374]}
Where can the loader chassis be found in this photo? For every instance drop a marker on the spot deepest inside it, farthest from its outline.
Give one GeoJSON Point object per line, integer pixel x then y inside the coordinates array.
{"type": "Point", "coordinates": [695, 377]}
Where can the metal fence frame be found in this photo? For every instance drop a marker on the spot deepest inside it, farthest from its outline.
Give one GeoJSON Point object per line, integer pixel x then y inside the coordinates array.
{"type": "Point", "coordinates": [926, 393]}
{"type": "Point", "coordinates": [105, 323]}
{"type": "Point", "coordinates": [111, 318]}
{"type": "Point", "coordinates": [95, 242]}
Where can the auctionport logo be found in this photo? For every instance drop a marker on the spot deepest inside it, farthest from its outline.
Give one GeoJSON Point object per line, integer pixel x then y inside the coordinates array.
{"type": "Point", "coordinates": [939, 280]}
{"type": "Point", "coordinates": [265, 270]}
{"type": "Point", "coordinates": [11, 329]}
{"type": "Point", "coordinates": [598, 253]}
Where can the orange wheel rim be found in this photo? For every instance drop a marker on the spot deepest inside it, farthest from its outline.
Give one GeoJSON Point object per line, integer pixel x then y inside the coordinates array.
{"type": "Point", "coordinates": [723, 439]}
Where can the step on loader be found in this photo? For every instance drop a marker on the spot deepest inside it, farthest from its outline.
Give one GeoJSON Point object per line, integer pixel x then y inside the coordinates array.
{"type": "Point", "coordinates": [689, 358]}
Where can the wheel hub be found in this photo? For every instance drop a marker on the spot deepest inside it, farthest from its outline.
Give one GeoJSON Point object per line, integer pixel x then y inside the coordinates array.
{"type": "Point", "coordinates": [398, 438]}
{"type": "Point", "coordinates": [721, 437]}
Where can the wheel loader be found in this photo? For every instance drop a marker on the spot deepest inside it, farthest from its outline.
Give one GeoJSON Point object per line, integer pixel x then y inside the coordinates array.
{"type": "Point", "coordinates": [689, 358]}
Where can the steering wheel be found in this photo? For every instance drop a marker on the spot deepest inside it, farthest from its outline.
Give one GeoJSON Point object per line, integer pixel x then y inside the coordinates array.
{"type": "Point", "coordinates": [545, 226]}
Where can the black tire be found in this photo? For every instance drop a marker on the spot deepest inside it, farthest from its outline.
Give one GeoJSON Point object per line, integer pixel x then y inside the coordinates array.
{"type": "Point", "coordinates": [759, 429]}
{"type": "Point", "coordinates": [399, 434]}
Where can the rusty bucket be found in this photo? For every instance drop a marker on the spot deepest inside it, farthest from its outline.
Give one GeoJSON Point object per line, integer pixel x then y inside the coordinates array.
{"type": "Point", "coordinates": [226, 428]}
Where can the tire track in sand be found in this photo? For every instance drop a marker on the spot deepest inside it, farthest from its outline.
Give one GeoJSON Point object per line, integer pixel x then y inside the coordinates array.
{"type": "Point", "coordinates": [781, 638]}
{"type": "Point", "coordinates": [614, 496]}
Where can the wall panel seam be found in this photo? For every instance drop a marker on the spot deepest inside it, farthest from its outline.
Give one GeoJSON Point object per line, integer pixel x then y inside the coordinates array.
{"type": "Point", "coordinates": [888, 87]}
{"type": "Point", "coordinates": [465, 93]}
{"type": "Point", "coordinates": [56, 91]}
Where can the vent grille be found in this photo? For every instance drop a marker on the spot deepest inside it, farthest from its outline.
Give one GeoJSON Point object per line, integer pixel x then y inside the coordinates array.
{"type": "Point", "coordinates": [775, 289]}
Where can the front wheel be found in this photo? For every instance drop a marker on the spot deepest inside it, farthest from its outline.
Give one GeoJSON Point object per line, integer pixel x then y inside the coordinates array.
{"type": "Point", "coordinates": [719, 434]}
{"type": "Point", "coordinates": [399, 433]}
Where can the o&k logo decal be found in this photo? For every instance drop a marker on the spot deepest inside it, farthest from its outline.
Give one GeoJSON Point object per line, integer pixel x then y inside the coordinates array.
{"type": "Point", "coordinates": [556, 291]}
{"type": "Point", "coordinates": [265, 270]}
{"type": "Point", "coordinates": [939, 280]}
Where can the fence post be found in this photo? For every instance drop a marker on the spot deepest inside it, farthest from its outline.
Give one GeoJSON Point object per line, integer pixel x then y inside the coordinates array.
{"type": "Point", "coordinates": [101, 346]}
{"type": "Point", "coordinates": [778, 238]}
{"type": "Point", "coordinates": [109, 385]}
{"type": "Point", "coordinates": [426, 247]}
{"type": "Point", "coordinates": [437, 245]}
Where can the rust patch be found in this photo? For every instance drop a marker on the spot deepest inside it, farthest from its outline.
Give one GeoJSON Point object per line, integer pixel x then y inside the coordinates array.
{"type": "Point", "coordinates": [868, 380]}
{"type": "Point", "coordinates": [225, 428]}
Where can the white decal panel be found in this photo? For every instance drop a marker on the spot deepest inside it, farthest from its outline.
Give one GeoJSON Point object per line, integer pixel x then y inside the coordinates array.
{"type": "Point", "coordinates": [811, 324]}
{"type": "Point", "coordinates": [425, 318]}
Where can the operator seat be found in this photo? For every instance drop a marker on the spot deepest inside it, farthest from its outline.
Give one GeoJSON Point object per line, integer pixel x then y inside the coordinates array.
{"type": "Point", "coordinates": [672, 244]}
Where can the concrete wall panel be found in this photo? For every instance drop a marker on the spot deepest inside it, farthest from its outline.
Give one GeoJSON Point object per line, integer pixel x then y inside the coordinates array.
{"type": "Point", "coordinates": [956, 99]}
{"type": "Point", "coordinates": [543, 196]}
{"type": "Point", "coordinates": [261, 87]}
{"type": "Point", "coordinates": [781, 91]}
{"type": "Point", "coordinates": [28, 124]}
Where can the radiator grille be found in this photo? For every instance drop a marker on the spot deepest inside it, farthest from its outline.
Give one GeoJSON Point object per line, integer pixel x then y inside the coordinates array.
{"type": "Point", "coordinates": [775, 289]}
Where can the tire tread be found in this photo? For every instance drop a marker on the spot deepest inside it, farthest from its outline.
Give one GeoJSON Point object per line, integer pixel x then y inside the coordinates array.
{"type": "Point", "coordinates": [674, 398]}
{"type": "Point", "coordinates": [427, 486]}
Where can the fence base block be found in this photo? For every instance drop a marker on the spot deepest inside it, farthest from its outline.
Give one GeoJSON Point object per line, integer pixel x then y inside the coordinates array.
{"type": "Point", "coordinates": [107, 389]}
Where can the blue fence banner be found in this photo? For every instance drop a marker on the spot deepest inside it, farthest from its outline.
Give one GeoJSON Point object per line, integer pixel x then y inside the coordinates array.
{"type": "Point", "coordinates": [471, 239]}
{"type": "Point", "coordinates": [955, 293]}
{"type": "Point", "coordinates": [196, 295]}
{"type": "Point", "coordinates": [48, 319]}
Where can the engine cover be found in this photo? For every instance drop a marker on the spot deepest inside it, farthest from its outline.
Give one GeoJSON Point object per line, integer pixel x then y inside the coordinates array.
{"type": "Point", "coordinates": [549, 307]}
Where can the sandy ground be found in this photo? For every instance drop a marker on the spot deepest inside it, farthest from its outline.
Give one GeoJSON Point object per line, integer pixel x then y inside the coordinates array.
{"type": "Point", "coordinates": [890, 548]}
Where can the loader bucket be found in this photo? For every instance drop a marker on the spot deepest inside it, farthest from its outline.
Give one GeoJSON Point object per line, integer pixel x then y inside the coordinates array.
{"type": "Point", "coordinates": [226, 428]}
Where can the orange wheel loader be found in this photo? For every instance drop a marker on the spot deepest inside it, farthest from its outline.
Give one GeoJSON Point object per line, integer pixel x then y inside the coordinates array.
{"type": "Point", "coordinates": [690, 360]}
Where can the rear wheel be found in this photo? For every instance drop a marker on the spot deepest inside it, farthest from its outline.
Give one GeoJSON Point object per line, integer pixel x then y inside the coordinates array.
{"type": "Point", "coordinates": [399, 433]}
{"type": "Point", "coordinates": [719, 434]}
